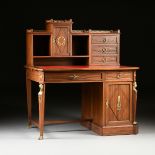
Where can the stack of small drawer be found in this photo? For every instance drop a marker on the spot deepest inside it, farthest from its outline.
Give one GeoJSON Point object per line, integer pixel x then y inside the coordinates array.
{"type": "Point", "coordinates": [105, 48]}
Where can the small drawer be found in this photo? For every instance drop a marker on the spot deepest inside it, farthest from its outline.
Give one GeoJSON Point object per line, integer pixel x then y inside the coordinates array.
{"type": "Point", "coordinates": [104, 60]}
{"type": "Point", "coordinates": [104, 39]}
{"type": "Point", "coordinates": [72, 76]}
{"type": "Point", "coordinates": [119, 75]}
{"type": "Point", "coordinates": [104, 49]}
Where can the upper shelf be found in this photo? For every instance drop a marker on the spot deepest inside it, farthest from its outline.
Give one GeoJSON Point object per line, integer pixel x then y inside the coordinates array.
{"type": "Point", "coordinates": [75, 56]}
{"type": "Point", "coordinates": [86, 32]}
{"type": "Point", "coordinates": [38, 32]}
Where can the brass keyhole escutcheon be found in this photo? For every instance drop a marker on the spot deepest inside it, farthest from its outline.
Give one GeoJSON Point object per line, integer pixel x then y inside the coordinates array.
{"type": "Point", "coordinates": [119, 103]}
{"type": "Point", "coordinates": [107, 104]}
{"type": "Point", "coordinates": [104, 60]}
{"type": "Point", "coordinates": [61, 41]}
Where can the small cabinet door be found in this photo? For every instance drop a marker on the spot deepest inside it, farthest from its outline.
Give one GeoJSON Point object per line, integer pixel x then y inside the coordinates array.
{"type": "Point", "coordinates": [61, 41]}
{"type": "Point", "coordinates": [118, 103]}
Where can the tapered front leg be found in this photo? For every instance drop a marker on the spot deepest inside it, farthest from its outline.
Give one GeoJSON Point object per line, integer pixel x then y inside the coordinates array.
{"type": "Point", "coordinates": [29, 101]}
{"type": "Point", "coordinates": [41, 99]}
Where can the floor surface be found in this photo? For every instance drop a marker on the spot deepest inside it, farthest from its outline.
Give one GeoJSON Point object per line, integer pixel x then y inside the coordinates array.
{"type": "Point", "coordinates": [72, 139]}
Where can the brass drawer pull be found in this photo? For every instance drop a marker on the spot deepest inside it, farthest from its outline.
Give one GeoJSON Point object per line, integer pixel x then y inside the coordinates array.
{"type": "Point", "coordinates": [118, 76]}
{"type": "Point", "coordinates": [73, 76]}
{"type": "Point", "coordinates": [119, 103]}
{"type": "Point", "coordinates": [104, 50]}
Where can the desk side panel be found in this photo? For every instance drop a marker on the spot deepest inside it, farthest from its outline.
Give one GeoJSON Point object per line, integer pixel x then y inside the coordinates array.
{"type": "Point", "coordinates": [92, 103]}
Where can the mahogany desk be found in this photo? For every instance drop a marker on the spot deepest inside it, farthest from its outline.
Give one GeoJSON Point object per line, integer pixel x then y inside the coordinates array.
{"type": "Point", "coordinates": [108, 96]}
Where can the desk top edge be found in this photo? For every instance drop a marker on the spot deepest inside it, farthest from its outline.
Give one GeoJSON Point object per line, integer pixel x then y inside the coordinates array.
{"type": "Point", "coordinates": [80, 68]}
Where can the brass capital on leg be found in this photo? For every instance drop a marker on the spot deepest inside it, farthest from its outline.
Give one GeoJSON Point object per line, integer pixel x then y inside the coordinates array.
{"type": "Point", "coordinates": [135, 86]}
{"type": "Point", "coordinates": [40, 89]}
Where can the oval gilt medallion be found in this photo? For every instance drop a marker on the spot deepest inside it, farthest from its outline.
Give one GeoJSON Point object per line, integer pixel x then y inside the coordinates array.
{"type": "Point", "coordinates": [61, 41]}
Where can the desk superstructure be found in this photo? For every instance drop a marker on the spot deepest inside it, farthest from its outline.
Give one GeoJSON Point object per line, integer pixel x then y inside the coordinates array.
{"type": "Point", "coordinates": [59, 54]}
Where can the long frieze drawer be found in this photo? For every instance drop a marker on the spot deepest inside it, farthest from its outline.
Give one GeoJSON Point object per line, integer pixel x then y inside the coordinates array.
{"type": "Point", "coordinates": [104, 60]}
{"type": "Point", "coordinates": [104, 49]}
{"type": "Point", "coordinates": [104, 39]}
{"type": "Point", "coordinates": [72, 76]}
{"type": "Point", "coordinates": [119, 75]}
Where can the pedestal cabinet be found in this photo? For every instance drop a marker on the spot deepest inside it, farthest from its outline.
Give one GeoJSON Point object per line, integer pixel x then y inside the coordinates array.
{"type": "Point", "coordinates": [111, 105]}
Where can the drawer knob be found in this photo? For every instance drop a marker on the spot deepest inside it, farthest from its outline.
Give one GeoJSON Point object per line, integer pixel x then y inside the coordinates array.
{"type": "Point", "coordinates": [73, 76]}
{"type": "Point", "coordinates": [104, 40]}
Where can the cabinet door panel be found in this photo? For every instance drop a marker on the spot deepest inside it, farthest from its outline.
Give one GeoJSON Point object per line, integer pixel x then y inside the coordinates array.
{"type": "Point", "coordinates": [61, 41]}
{"type": "Point", "coordinates": [119, 103]}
